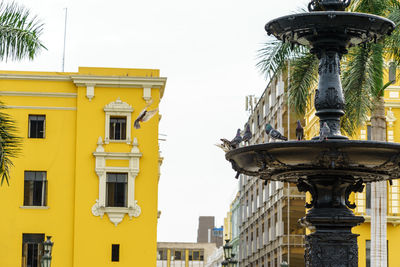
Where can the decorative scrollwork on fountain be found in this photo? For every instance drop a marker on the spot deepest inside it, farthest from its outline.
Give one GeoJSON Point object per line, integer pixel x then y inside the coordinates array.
{"type": "Point", "coordinates": [303, 186]}
{"type": "Point", "coordinates": [357, 187]}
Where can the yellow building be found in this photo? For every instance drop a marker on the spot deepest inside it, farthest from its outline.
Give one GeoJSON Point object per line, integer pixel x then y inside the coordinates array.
{"type": "Point", "coordinates": [363, 201]}
{"type": "Point", "coordinates": [86, 176]}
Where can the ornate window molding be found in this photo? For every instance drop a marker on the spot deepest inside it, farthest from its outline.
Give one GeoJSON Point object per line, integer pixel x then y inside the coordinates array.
{"type": "Point", "coordinates": [118, 109]}
{"type": "Point", "coordinates": [116, 214]}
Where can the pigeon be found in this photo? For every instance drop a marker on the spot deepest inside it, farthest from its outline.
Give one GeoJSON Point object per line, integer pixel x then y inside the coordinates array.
{"type": "Point", "coordinates": [247, 134]}
{"type": "Point", "coordinates": [324, 132]}
{"type": "Point", "coordinates": [145, 115]}
{"type": "Point", "coordinates": [234, 143]}
{"type": "Point", "coordinates": [299, 131]}
{"type": "Point", "coordinates": [274, 133]}
{"type": "Point", "coordinates": [223, 147]}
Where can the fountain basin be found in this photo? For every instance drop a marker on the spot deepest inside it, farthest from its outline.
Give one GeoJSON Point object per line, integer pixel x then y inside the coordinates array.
{"type": "Point", "coordinates": [289, 161]}
{"type": "Point", "coordinates": [324, 27]}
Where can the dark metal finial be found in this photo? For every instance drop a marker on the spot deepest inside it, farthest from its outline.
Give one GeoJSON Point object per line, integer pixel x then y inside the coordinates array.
{"type": "Point", "coordinates": [328, 5]}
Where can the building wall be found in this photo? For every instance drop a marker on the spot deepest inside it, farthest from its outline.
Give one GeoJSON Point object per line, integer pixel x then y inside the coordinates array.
{"type": "Point", "coordinates": [268, 213]}
{"type": "Point", "coordinates": [205, 223]}
{"type": "Point", "coordinates": [73, 125]}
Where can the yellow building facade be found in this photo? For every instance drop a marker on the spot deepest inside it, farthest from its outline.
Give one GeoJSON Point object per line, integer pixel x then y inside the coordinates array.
{"type": "Point", "coordinates": [85, 176]}
{"type": "Point", "coordinates": [362, 200]}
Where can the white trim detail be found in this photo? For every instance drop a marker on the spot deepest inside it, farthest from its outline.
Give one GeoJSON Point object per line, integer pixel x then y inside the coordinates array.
{"type": "Point", "coordinates": [34, 207]}
{"type": "Point", "coordinates": [390, 118]}
{"type": "Point", "coordinates": [147, 93]}
{"type": "Point", "coordinates": [118, 108]}
{"type": "Point", "coordinates": [116, 214]}
{"type": "Point", "coordinates": [38, 94]}
{"type": "Point", "coordinates": [36, 107]}
{"type": "Point", "coordinates": [35, 77]}
{"type": "Point", "coordinates": [90, 91]}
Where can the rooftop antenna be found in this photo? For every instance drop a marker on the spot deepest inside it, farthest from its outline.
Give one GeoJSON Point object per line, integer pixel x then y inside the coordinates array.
{"type": "Point", "coordinates": [65, 35]}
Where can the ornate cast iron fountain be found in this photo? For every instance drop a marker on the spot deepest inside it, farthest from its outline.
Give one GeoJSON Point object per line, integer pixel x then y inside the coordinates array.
{"type": "Point", "coordinates": [330, 170]}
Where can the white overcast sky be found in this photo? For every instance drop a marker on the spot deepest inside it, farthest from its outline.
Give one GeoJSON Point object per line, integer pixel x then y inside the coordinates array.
{"type": "Point", "coordinates": [206, 49]}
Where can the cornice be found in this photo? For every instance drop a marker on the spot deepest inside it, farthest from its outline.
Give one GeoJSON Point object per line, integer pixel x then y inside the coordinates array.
{"type": "Point", "coordinates": [35, 77]}
{"type": "Point", "coordinates": [38, 94]}
{"type": "Point", "coordinates": [38, 107]}
{"type": "Point", "coordinates": [119, 81]}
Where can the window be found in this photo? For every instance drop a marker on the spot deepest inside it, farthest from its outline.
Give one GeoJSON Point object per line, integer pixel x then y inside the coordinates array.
{"type": "Point", "coordinates": [32, 249]}
{"type": "Point", "coordinates": [368, 132]}
{"type": "Point", "coordinates": [392, 72]}
{"type": "Point", "coordinates": [117, 128]}
{"type": "Point", "coordinates": [368, 252]}
{"type": "Point", "coordinates": [118, 116]}
{"type": "Point", "coordinates": [368, 198]}
{"type": "Point", "coordinates": [36, 126]}
{"type": "Point", "coordinates": [117, 183]}
{"type": "Point", "coordinates": [162, 254]}
{"type": "Point", "coordinates": [115, 252]}
{"type": "Point", "coordinates": [35, 188]}
{"type": "Point", "coordinates": [179, 255]}
{"type": "Point", "coordinates": [116, 189]}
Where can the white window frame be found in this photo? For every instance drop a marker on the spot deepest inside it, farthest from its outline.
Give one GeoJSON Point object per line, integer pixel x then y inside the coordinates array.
{"type": "Point", "coordinates": [116, 214]}
{"type": "Point", "coordinates": [118, 109]}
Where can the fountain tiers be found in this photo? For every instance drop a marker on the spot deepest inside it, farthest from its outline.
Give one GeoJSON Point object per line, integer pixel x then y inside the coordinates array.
{"type": "Point", "coordinates": [330, 170]}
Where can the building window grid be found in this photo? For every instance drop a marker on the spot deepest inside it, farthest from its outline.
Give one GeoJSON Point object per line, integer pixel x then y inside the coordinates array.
{"type": "Point", "coordinates": [196, 255]}
{"type": "Point", "coordinates": [117, 189]}
{"type": "Point", "coordinates": [393, 198]}
{"type": "Point", "coordinates": [32, 249]}
{"type": "Point", "coordinates": [117, 128]}
{"type": "Point", "coordinates": [35, 188]}
{"type": "Point", "coordinates": [36, 126]}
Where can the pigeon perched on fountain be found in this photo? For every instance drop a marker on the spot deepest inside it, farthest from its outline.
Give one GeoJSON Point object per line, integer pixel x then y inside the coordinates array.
{"type": "Point", "coordinates": [299, 131]}
{"type": "Point", "coordinates": [247, 134]}
{"type": "Point", "coordinates": [274, 134]}
{"type": "Point", "coordinates": [324, 132]}
{"type": "Point", "coordinates": [234, 143]}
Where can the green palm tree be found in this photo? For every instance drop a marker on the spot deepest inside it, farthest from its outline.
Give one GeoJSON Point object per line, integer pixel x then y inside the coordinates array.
{"type": "Point", "coordinates": [362, 77]}
{"type": "Point", "coordinates": [19, 39]}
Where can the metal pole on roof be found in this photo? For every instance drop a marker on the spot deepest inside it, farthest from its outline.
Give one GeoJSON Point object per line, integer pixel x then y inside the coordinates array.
{"type": "Point", "coordinates": [65, 35]}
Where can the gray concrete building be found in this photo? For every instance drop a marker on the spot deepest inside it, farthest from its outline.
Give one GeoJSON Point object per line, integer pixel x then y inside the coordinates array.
{"type": "Point", "coordinates": [207, 232]}
{"type": "Point", "coordinates": [269, 213]}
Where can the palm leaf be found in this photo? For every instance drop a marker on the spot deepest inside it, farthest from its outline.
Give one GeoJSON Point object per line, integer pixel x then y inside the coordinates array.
{"type": "Point", "coordinates": [274, 56]}
{"type": "Point", "coordinates": [19, 33]}
{"type": "Point", "coordinates": [303, 78]}
{"type": "Point", "coordinates": [362, 84]}
{"type": "Point", "coordinates": [10, 144]}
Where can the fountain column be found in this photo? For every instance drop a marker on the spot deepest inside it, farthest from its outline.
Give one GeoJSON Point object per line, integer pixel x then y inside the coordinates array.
{"type": "Point", "coordinates": [332, 243]}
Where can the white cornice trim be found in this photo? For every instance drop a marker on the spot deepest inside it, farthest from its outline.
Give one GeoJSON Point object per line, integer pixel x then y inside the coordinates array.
{"type": "Point", "coordinates": [35, 77]}
{"type": "Point", "coordinates": [38, 94]}
{"type": "Point", "coordinates": [119, 81]}
{"type": "Point", "coordinates": [36, 107]}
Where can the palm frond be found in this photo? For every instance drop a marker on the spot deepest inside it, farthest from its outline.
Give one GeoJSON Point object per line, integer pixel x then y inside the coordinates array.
{"type": "Point", "coordinates": [303, 78]}
{"type": "Point", "coordinates": [19, 33]}
{"type": "Point", "coordinates": [274, 56]}
{"type": "Point", "coordinates": [377, 7]}
{"type": "Point", "coordinates": [362, 84]}
{"type": "Point", "coordinates": [392, 42]}
{"type": "Point", "coordinates": [357, 94]}
{"type": "Point", "coordinates": [10, 144]}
